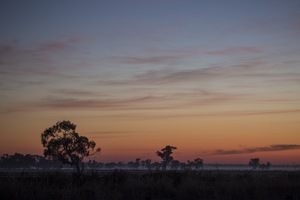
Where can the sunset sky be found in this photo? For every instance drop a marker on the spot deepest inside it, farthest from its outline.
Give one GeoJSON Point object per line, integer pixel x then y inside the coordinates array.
{"type": "Point", "coordinates": [219, 80]}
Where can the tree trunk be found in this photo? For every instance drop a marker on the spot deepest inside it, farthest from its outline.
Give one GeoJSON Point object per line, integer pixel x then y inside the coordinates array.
{"type": "Point", "coordinates": [77, 167]}
{"type": "Point", "coordinates": [164, 166]}
{"type": "Point", "coordinates": [82, 166]}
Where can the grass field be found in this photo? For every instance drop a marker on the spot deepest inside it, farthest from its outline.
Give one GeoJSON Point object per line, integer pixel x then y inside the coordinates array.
{"type": "Point", "coordinates": [151, 185]}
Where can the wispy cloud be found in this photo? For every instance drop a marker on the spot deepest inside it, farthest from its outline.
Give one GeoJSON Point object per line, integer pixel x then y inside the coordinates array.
{"type": "Point", "coordinates": [58, 45]}
{"type": "Point", "coordinates": [251, 69]}
{"type": "Point", "coordinates": [109, 134]}
{"type": "Point", "coordinates": [74, 92]}
{"type": "Point", "coordinates": [171, 76]}
{"type": "Point", "coordinates": [179, 55]}
{"type": "Point", "coordinates": [203, 114]}
{"type": "Point", "coordinates": [75, 103]}
{"type": "Point", "coordinates": [157, 56]}
{"type": "Point", "coordinates": [286, 25]}
{"type": "Point", "coordinates": [235, 51]}
{"type": "Point", "coordinates": [167, 76]}
{"type": "Point", "coordinates": [6, 50]}
{"type": "Point", "coordinates": [17, 59]}
{"type": "Point", "coordinates": [151, 60]}
{"type": "Point", "coordinates": [78, 100]}
{"type": "Point", "coordinates": [274, 147]}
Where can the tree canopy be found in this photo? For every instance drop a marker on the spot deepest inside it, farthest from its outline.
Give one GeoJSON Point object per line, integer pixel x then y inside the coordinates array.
{"type": "Point", "coordinates": [63, 143]}
{"type": "Point", "coordinates": [165, 155]}
{"type": "Point", "coordinates": [254, 163]}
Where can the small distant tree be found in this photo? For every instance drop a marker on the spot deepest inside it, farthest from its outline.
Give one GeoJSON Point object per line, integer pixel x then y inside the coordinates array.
{"type": "Point", "coordinates": [264, 166]}
{"type": "Point", "coordinates": [254, 163]}
{"type": "Point", "coordinates": [111, 165]}
{"type": "Point", "coordinates": [137, 163]}
{"type": "Point", "coordinates": [175, 165]}
{"type": "Point", "coordinates": [63, 143]}
{"type": "Point", "coordinates": [198, 163]}
{"type": "Point", "coordinates": [268, 165]}
{"type": "Point", "coordinates": [146, 164]}
{"type": "Point", "coordinates": [165, 155]}
{"type": "Point", "coordinates": [120, 165]}
{"type": "Point", "coordinates": [189, 165]}
{"type": "Point", "coordinates": [156, 165]}
{"type": "Point", "coordinates": [134, 164]}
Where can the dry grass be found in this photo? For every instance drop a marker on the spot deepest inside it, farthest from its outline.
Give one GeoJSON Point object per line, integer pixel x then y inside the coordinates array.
{"type": "Point", "coordinates": [156, 185]}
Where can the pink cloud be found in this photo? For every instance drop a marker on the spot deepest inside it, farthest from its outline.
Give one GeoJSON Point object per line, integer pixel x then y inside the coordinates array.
{"type": "Point", "coordinates": [74, 92]}
{"type": "Point", "coordinates": [6, 50]}
{"type": "Point", "coordinates": [95, 103]}
{"type": "Point", "coordinates": [59, 45]}
{"type": "Point", "coordinates": [156, 59]}
{"type": "Point", "coordinates": [153, 59]}
{"type": "Point", "coordinates": [16, 59]}
{"type": "Point", "coordinates": [235, 51]}
{"type": "Point", "coordinates": [184, 54]}
{"type": "Point", "coordinates": [52, 46]}
{"type": "Point", "coordinates": [274, 147]}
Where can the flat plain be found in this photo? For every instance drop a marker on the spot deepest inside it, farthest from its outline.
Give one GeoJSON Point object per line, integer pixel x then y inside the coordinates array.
{"type": "Point", "coordinates": [142, 184]}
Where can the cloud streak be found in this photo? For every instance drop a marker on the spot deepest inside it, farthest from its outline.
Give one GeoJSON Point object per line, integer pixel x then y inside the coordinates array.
{"type": "Point", "coordinates": [58, 45]}
{"type": "Point", "coordinates": [181, 55]}
{"type": "Point", "coordinates": [79, 99]}
{"type": "Point", "coordinates": [16, 59]}
{"type": "Point", "coordinates": [74, 103]}
{"type": "Point", "coordinates": [274, 147]}
{"type": "Point", "coordinates": [109, 134]}
{"type": "Point", "coordinates": [74, 92]}
{"type": "Point", "coordinates": [169, 76]}
{"type": "Point", "coordinates": [252, 70]}
{"type": "Point", "coordinates": [152, 60]}
{"type": "Point", "coordinates": [234, 51]}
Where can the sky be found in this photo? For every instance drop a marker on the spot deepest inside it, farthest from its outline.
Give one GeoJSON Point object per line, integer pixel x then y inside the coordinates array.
{"type": "Point", "coordinates": [217, 79]}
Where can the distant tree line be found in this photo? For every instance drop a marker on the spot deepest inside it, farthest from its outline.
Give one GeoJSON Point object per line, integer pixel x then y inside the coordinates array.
{"type": "Point", "coordinates": [63, 147]}
{"type": "Point", "coordinates": [256, 163]}
{"type": "Point", "coordinates": [28, 161]}
{"type": "Point", "coordinates": [147, 164]}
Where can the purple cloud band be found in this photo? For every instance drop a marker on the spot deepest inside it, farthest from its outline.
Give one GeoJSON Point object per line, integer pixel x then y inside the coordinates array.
{"type": "Point", "coordinates": [274, 147]}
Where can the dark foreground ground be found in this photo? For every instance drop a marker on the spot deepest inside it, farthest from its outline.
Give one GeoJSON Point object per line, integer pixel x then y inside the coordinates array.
{"type": "Point", "coordinates": [151, 185]}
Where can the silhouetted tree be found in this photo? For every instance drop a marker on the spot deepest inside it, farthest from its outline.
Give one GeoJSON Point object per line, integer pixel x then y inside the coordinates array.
{"type": "Point", "coordinates": [48, 163]}
{"type": "Point", "coordinates": [130, 164]}
{"type": "Point", "coordinates": [120, 165]}
{"type": "Point", "coordinates": [195, 164]}
{"type": "Point", "coordinates": [111, 165]}
{"type": "Point", "coordinates": [198, 163]}
{"type": "Point", "coordinates": [137, 163]}
{"type": "Point", "coordinates": [254, 163]}
{"type": "Point", "coordinates": [19, 161]}
{"type": "Point", "coordinates": [268, 165]}
{"type": "Point", "coordinates": [93, 164]}
{"type": "Point", "coordinates": [264, 166]}
{"type": "Point", "coordinates": [63, 143]}
{"type": "Point", "coordinates": [175, 164]}
{"type": "Point", "coordinates": [134, 164]}
{"type": "Point", "coordinates": [189, 165]}
{"type": "Point", "coordinates": [165, 155]}
{"type": "Point", "coordinates": [146, 164]}
{"type": "Point", "coordinates": [156, 165]}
